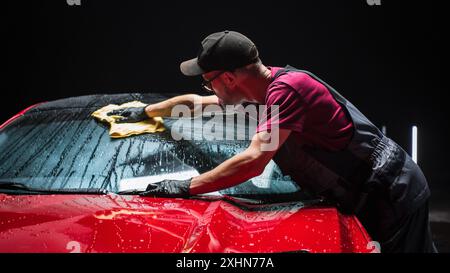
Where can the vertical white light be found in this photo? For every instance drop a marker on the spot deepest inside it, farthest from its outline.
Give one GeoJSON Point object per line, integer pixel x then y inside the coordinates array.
{"type": "Point", "coordinates": [384, 129]}
{"type": "Point", "coordinates": [414, 143]}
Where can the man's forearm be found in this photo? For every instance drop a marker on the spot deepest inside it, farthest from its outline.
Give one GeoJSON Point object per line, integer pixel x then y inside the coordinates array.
{"type": "Point", "coordinates": [164, 108]}
{"type": "Point", "coordinates": [233, 171]}
{"type": "Point", "coordinates": [241, 167]}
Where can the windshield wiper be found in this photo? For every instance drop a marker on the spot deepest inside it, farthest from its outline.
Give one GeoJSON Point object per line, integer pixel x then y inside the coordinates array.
{"type": "Point", "coordinates": [19, 188]}
{"type": "Point", "coordinates": [130, 192]}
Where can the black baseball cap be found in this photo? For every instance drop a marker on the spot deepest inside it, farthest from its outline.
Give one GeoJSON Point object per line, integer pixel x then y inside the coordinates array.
{"type": "Point", "coordinates": [225, 50]}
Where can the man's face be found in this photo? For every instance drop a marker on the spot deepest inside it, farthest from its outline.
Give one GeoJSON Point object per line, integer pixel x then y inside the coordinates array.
{"type": "Point", "coordinates": [225, 86]}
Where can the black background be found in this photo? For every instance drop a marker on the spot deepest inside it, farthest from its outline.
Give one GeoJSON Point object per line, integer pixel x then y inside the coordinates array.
{"type": "Point", "coordinates": [388, 59]}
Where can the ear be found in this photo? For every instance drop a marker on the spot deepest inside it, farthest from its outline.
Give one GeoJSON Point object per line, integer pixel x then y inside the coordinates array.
{"type": "Point", "coordinates": [229, 78]}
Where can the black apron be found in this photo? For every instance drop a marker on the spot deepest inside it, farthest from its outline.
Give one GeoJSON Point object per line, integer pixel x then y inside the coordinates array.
{"type": "Point", "coordinates": [372, 169]}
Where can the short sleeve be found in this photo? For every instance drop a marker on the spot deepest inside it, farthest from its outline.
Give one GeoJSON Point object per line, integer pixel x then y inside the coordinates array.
{"type": "Point", "coordinates": [284, 109]}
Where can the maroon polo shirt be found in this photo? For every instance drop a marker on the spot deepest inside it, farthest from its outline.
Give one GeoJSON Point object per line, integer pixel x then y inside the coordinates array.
{"type": "Point", "coordinates": [308, 109]}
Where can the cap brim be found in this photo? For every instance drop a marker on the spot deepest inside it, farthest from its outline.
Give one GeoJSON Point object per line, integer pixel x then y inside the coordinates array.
{"type": "Point", "coordinates": [191, 68]}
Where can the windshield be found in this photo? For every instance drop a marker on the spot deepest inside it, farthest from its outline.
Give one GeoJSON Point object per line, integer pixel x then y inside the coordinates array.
{"type": "Point", "coordinates": [68, 149]}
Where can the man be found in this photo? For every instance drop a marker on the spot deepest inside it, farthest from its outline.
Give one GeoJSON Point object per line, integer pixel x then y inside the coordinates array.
{"type": "Point", "coordinates": [325, 143]}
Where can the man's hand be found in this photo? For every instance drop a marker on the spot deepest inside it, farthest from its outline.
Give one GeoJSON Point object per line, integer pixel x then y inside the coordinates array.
{"type": "Point", "coordinates": [130, 114]}
{"type": "Point", "coordinates": [168, 188]}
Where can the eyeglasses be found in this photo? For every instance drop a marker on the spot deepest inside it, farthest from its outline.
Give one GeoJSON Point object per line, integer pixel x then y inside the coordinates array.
{"type": "Point", "coordinates": [206, 84]}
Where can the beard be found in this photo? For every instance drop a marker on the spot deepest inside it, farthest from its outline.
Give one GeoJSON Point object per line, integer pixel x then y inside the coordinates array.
{"type": "Point", "coordinates": [231, 97]}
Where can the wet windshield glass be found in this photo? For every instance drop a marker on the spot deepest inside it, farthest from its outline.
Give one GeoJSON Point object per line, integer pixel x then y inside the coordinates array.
{"type": "Point", "coordinates": [67, 150]}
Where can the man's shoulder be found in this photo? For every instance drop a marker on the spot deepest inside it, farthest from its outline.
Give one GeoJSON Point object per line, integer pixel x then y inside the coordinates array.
{"type": "Point", "coordinates": [293, 81]}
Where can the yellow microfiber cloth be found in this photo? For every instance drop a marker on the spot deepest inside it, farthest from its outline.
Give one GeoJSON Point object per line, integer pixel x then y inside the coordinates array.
{"type": "Point", "coordinates": [119, 130]}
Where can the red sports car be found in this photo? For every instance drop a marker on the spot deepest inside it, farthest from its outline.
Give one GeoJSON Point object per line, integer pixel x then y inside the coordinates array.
{"type": "Point", "coordinates": [67, 186]}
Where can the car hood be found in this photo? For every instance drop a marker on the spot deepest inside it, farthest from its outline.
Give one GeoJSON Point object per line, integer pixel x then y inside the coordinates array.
{"type": "Point", "coordinates": [128, 223]}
